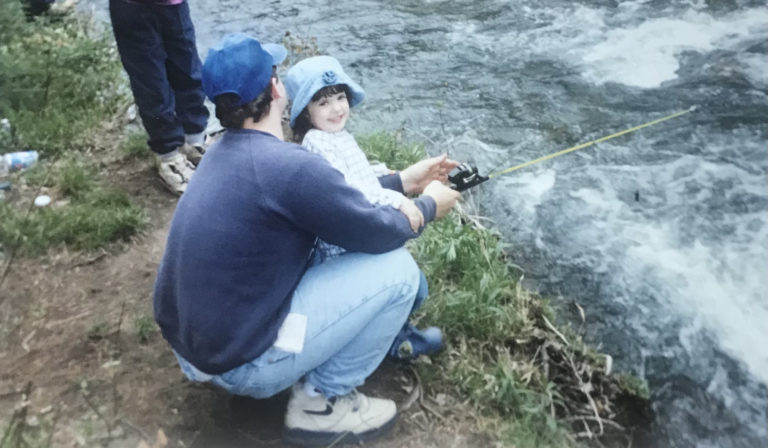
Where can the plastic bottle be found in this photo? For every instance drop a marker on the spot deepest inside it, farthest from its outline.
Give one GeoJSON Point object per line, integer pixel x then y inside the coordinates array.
{"type": "Point", "coordinates": [17, 161]}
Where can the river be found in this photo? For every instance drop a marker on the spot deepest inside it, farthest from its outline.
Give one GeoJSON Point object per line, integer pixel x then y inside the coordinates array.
{"type": "Point", "coordinates": [661, 236]}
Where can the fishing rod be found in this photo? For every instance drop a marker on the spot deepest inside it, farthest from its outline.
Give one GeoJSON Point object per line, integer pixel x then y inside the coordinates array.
{"type": "Point", "coordinates": [466, 176]}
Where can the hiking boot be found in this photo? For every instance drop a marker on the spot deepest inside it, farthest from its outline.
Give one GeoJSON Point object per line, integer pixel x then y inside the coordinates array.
{"type": "Point", "coordinates": [176, 173]}
{"type": "Point", "coordinates": [351, 418]}
{"type": "Point", "coordinates": [411, 342]}
{"type": "Point", "coordinates": [193, 152]}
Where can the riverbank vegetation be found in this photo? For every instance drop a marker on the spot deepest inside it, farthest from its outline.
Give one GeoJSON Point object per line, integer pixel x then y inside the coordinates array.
{"type": "Point", "coordinates": [61, 84]}
{"type": "Point", "coordinates": [527, 381]}
{"type": "Point", "coordinates": [541, 385]}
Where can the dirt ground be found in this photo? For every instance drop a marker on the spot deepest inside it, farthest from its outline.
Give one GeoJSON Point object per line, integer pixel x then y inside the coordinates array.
{"type": "Point", "coordinates": [75, 372]}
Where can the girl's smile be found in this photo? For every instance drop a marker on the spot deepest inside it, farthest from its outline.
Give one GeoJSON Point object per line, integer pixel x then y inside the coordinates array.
{"type": "Point", "coordinates": [330, 113]}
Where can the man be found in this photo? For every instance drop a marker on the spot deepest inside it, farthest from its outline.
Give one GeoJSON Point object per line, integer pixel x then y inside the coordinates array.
{"type": "Point", "coordinates": [156, 42]}
{"type": "Point", "coordinates": [237, 295]}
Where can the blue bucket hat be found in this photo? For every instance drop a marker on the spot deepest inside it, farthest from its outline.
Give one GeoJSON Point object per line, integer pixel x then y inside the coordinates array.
{"type": "Point", "coordinates": [241, 65]}
{"type": "Point", "coordinates": [308, 76]}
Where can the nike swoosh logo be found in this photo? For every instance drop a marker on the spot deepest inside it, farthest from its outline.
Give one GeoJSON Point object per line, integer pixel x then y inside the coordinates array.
{"type": "Point", "coordinates": [327, 411]}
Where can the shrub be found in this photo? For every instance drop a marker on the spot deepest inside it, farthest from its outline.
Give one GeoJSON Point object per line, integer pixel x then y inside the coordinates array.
{"type": "Point", "coordinates": [59, 79]}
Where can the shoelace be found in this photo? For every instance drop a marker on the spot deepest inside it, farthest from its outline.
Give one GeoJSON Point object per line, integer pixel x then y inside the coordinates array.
{"type": "Point", "coordinates": [352, 396]}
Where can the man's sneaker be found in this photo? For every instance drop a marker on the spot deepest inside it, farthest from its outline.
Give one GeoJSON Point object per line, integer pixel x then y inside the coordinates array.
{"type": "Point", "coordinates": [411, 342]}
{"type": "Point", "coordinates": [352, 418]}
{"type": "Point", "coordinates": [176, 173]}
{"type": "Point", "coordinates": [193, 153]}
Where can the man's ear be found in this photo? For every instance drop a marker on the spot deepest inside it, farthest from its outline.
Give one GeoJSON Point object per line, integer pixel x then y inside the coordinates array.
{"type": "Point", "coordinates": [275, 91]}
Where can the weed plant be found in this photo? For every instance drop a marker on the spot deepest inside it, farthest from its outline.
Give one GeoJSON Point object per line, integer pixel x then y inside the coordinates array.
{"type": "Point", "coordinates": [146, 328]}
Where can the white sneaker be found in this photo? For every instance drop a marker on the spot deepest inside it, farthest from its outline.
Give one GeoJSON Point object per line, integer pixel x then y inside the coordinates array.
{"type": "Point", "coordinates": [176, 173]}
{"type": "Point", "coordinates": [320, 421]}
{"type": "Point", "coordinates": [62, 7]}
{"type": "Point", "coordinates": [193, 153]}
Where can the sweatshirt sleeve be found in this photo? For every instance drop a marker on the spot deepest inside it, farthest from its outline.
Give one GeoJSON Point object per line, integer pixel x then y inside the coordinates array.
{"type": "Point", "coordinates": [392, 182]}
{"type": "Point", "coordinates": [320, 201]}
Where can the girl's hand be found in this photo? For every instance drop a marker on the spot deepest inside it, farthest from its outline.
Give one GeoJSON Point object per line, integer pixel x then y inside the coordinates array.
{"type": "Point", "coordinates": [417, 176]}
{"type": "Point", "coordinates": [414, 215]}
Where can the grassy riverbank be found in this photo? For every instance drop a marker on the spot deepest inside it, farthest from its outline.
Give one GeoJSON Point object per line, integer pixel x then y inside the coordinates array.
{"type": "Point", "coordinates": [61, 90]}
{"type": "Point", "coordinates": [521, 378]}
{"type": "Point", "coordinates": [540, 385]}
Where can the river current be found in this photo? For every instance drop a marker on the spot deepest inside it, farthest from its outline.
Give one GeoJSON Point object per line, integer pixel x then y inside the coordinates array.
{"type": "Point", "coordinates": [661, 236]}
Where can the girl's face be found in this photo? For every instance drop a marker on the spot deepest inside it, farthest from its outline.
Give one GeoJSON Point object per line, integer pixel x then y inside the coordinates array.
{"type": "Point", "coordinates": [329, 114]}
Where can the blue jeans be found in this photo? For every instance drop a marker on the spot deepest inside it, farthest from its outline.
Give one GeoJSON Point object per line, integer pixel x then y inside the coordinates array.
{"type": "Point", "coordinates": [157, 47]}
{"type": "Point", "coordinates": [355, 305]}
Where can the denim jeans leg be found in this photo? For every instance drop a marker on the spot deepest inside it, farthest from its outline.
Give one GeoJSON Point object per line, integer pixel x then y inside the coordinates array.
{"type": "Point", "coordinates": [422, 293]}
{"type": "Point", "coordinates": [184, 69]}
{"type": "Point", "coordinates": [357, 332]}
{"type": "Point", "coordinates": [137, 30]}
{"type": "Point", "coordinates": [355, 305]}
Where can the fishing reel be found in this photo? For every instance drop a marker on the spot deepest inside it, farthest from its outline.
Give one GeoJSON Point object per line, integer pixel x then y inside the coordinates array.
{"type": "Point", "coordinates": [465, 176]}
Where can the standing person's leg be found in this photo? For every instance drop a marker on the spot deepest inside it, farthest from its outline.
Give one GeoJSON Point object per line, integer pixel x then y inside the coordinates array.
{"type": "Point", "coordinates": [354, 306]}
{"type": "Point", "coordinates": [36, 7]}
{"type": "Point", "coordinates": [184, 71]}
{"type": "Point", "coordinates": [136, 27]}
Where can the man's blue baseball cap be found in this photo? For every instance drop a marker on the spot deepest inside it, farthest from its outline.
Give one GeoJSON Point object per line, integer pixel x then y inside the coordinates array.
{"type": "Point", "coordinates": [241, 65]}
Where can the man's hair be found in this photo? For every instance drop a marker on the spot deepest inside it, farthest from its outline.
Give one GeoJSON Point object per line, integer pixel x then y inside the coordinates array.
{"type": "Point", "coordinates": [232, 116]}
{"type": "Point", "coordinates": [303, 124]}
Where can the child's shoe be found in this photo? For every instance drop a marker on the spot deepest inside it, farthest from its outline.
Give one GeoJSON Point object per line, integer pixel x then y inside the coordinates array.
{"type": "Point", "coordinates": [411, 342]}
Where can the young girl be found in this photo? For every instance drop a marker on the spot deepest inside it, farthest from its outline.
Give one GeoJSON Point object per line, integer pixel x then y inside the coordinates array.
{"type": "Point", "coordinates": [321, 95]}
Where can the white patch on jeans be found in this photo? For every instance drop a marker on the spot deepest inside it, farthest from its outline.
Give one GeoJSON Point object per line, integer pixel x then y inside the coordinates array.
{"type": "Point", "coordinates": [290, 336]}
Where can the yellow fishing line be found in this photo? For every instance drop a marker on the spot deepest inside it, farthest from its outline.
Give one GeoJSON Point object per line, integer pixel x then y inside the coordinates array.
{"type": "Point", "coordinates": [584, 145]}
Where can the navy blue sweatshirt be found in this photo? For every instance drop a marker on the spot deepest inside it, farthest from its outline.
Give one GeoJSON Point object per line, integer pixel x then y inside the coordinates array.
{"type": "Point", "coordinates": [240, 239]}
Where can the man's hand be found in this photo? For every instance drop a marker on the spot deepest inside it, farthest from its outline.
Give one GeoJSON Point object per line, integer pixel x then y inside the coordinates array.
{"type": "Point", "coordinates": [444, 197]}
{"type": "Point", "coordinates": [417, 176]}
{"type": "Point", "coordinates": [413, 214]}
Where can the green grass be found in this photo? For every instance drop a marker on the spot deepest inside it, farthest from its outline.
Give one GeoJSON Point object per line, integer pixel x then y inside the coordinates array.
{"type": "Point", "coordinates": [146, 329]}
{"type": "Point", "coordinates": [387, 148]}
{"type": "Point", "coordinates": [76, 179]}
{"type": "Point", "coordinates": [134, 145]}
{"type": "Point", "coordinates": [90, 215]}
{"type": "Point", "coordinates": [476, 298]}
{"type": "Point", "coordinates": [59, 79]}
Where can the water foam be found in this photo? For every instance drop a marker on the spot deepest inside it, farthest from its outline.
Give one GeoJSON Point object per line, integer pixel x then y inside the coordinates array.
{"type": "Point", "coordinates": [713, 279]}
{"type": "Point", "coordinates": [530, 189]}
{"type": "Point", "coordinates": [644, 54]}
{"type": "Point", "coordinates": [730, 303]}
{"type": "Point", "coordinates": [755, 67]}
{"type": "Point", "coordinates": [647, 55]}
